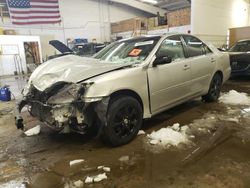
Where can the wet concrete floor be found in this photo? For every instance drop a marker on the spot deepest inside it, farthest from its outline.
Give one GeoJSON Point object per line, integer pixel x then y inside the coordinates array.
{"type": "Point", "coordinates": [219, 155]}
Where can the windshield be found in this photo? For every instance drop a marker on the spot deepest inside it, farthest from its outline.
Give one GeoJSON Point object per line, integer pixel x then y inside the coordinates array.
{"type": "Point", "coordinates": [129, 51]}
{"type": "Point", "coordinates": [83, 49]}
{"type": "Point", "coordinates": [243, 46]}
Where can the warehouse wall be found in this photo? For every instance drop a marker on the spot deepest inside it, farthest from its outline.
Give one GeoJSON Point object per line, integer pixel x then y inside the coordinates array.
{"type": "Point", "coordinates": [7, 59]}
{"type": "Point", "coordinates": [80, 19]}
{"type": "Point", "coordinates": [211, 19]}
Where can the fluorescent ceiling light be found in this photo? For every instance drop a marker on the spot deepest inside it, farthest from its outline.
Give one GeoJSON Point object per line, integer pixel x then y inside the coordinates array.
{"type": "Point", "coordinates": [150, 1]}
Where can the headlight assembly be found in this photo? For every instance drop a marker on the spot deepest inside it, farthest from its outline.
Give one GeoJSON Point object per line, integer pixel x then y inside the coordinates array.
{"type": "Point", "coordinates": [67, 94]}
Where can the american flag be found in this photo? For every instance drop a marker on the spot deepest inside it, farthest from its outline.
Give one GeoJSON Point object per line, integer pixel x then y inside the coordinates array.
{"type": "Point", "coordinates": [26, 12]}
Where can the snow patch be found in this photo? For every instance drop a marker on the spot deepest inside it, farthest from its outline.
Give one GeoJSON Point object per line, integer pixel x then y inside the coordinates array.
{"type": "Point", "coordinates": [104, 168]}
{"type": "Point", "coordinates": [154, 142]}
{"type": "Point", "coordinates": [74, 162]}
{"type": "Point", "coordinates": [235, 98]}
{"type": "Point", "coordinates": [245, 111]}
{"type": "Point", "coordinates": [169, 136]}
{"type": "Point", "coordinates": [33, 131]}
{"type": "Point", "coordinates": [89, 180]}
{"type": "Point", "coordinates": [100, 167]}
{"type": "Point", "coordinates": [141, 132]}
{"type": "Point", "coordinates": [100, 177]}
{"type": "Point", "coordinates": [176, 127]}
{"type": "Point", "coordinates": [96, 179]}
{"type": "Point", "coordinates": [124, 158]}
{"type": "Point", "coordinates": [78, 183]}
{"type": "Point", "coordinates": [235, 120]}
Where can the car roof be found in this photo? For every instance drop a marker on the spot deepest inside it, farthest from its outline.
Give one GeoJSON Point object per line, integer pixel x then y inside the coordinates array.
{"type": "Point", "coordinates": [244, 40]}
{"type": "Point", "coordinates": [148, 37]}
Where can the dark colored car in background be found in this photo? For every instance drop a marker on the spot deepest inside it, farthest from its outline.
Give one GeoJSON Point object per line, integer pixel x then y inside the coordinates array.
{"type": "Point", "coordinates": [240, 58]}
{"type": "Point", "coordinates": [86, 50]}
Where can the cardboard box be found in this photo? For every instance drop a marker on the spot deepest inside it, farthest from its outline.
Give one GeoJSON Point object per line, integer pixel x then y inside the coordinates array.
{"type": "Point", "coordinates": [179, 17]}
{"type": "Point", "coordinates": [129, 25]}
{"type": "Point", "coordinates": [9, 32]}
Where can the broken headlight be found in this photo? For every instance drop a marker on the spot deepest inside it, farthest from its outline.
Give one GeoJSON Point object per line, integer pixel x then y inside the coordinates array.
{"type": "Point", "coordinates": [91, 99]}
{"type": "Point", "coordinates": [68, 94]}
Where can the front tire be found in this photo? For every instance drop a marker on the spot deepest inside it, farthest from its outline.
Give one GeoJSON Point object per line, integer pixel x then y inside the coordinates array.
{"type": "Point", "coordinates": [214, 89]}
{"type": "Point", "coordinates": [124, 119]}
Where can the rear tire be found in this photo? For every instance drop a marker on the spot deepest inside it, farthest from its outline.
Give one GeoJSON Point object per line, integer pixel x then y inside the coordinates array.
{"type": "Point", "coordinates": [214, 89]}
{"type": "Point", "coordinates": [124, 120]}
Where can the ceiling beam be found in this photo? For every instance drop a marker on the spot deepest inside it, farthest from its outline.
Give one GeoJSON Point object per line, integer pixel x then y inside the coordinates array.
{"type": "Point", "coordinates": [176, 5]}
{"type": "Point", "coordinates": [141, 6]}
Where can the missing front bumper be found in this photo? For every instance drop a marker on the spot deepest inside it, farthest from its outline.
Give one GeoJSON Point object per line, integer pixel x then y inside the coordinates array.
{"type": "Point", "coordinates": [77, 116]}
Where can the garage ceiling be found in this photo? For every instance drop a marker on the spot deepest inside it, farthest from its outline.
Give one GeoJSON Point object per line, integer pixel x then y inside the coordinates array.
{"type": "Point", "coordinates": [173, 4]}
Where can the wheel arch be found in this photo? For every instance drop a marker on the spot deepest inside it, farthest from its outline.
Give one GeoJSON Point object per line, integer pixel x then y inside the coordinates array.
{"type": "Point", "coordinates": [128, 92]}
{"type": "Point", "coordinates": [219, 72]}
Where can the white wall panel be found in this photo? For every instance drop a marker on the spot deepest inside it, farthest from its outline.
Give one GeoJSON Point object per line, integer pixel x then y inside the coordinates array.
{"type": "Point", "coordinates": [211, 19]}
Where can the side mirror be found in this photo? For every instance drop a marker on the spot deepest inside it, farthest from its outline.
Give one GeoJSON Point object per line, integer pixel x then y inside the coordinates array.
{"type": "Point", "coordinates": [222, 49]}
{"type": "Point", "coordinates": [162, 60]}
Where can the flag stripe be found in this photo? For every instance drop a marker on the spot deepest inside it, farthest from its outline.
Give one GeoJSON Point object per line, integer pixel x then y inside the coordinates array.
{"type": "Point", "coordinates": [42, 6]}
{"type": "Point", "coordinates": [36, 22]}
{"type": "Point", "coordinates": [44, 1]}
{"type": "Point", "coordinates": [26, 12]}
{"type": "Point", "coordinates": [33, 17]}
{"type": "Point", "coordinates": [40, 19]}
{"type": "Point", "coordinates": [37, 14]}
{"type": "Point", "coordinates": [31, 12]}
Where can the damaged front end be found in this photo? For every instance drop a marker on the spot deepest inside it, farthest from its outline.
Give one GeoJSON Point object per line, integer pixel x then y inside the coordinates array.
{"type": "Point", "coordinates": [63, 107]}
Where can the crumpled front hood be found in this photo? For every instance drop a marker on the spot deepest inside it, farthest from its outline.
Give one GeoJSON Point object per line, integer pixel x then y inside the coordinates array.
{"type": "Point", "coordinates": [69, 68]}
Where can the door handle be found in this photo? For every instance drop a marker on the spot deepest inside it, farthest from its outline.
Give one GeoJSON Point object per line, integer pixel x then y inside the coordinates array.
{"type": "Point", "coordinates": [213, 60]}
{"type": "Point", "coordinates": [186, 67]}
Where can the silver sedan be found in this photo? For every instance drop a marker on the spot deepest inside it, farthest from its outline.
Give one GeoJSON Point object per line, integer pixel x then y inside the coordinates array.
{"type": "Point", "coordinates": [128, 81]}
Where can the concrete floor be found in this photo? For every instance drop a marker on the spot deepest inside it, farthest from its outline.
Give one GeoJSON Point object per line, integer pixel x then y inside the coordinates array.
{"type": "Point", "coordinates": [222, 160]}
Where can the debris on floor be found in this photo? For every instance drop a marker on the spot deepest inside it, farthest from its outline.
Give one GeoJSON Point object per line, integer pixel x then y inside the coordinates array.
{"type": "Point", "coordinates": [96, 179]}
{"type": "Point", "coordinates": [141, 132]}
{"type": "Point", "coordinates": [89, 180]}
{"type": "Point", "coordinates": [235, 98]}
{"type": "Point", "coordinates": [124, 158]}
{"type": "Point", "coordinates": [154, 142]}
{"type": "Point", "coordinates": [78, 183]}
{"type": "Point", "coordinates": [245, 111]}
{"type": "Point", "coordinates": [75, 162]}
{"type": "Point", "coordinates": [235, 120]}
{"type": "Point", "coordinates": [100, 177]}
{"type": "Point", "coordinates": [33, 131]}
{"type": "Point", "coordinates": [169, 136]}
{"type": "Point", "coordinates": [104, 168]}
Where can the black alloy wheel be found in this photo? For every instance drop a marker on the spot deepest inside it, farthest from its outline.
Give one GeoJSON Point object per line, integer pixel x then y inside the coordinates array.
{"type": "Point", "coordinates": [124, 120]}
{"type": "Point", "coordinates": [214, 90]}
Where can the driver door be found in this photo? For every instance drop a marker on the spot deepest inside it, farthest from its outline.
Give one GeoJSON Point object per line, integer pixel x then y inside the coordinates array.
{"type": "Point", "coordinates": [169, 83]}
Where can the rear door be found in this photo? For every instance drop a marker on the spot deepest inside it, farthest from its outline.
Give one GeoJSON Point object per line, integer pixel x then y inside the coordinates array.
{"type": "Point", "coordinates": [169, 83]}
{"type": "Point", "coordinates": [202, 61]}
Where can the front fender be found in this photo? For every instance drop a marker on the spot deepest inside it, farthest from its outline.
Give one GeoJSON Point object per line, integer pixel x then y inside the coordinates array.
{"type": "Point", "coordinates": [134, 79]}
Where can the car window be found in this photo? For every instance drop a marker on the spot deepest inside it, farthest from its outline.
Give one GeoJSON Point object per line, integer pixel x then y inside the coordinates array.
{"type": "Point", "coordinates": [241, 46]}
{"type": "Point", "coordinates": [172, 47]}
{"type": "Point", "coordinates": [195, 47]}
{"type": "Point", "coordinates": [83, 49]}
{"type": "Point", "coordinates": [207, 49]}
{"type": "Point", "coordinates": [134, 50]}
